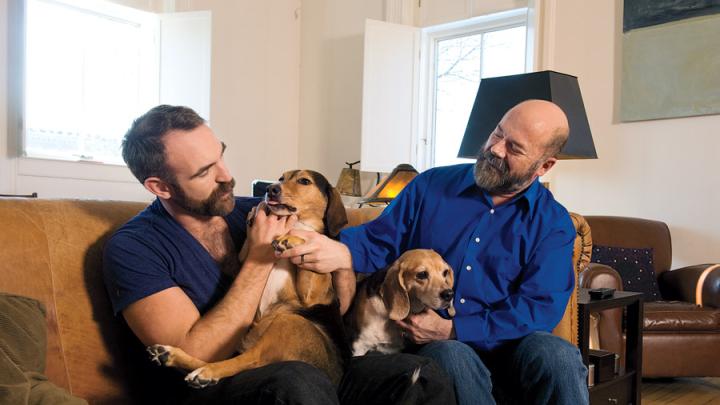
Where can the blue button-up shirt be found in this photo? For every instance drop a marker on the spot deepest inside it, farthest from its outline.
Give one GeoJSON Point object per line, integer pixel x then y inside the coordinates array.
{"type": "Point", "coordinates": [512, 263]}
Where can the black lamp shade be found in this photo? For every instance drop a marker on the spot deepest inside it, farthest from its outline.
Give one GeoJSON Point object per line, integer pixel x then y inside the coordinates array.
{"type": "Point", "coordinates": [497, 95]}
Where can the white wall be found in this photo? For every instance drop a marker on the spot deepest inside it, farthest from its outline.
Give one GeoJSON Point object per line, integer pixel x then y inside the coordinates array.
{"type": "Point", "coordinates": [663, 169]}
{"type": "Point", "coordinates": [275, 115]}
{"type": "Point", "coordinates": [254, 102]}
{"type": "Point", "coordinates": [435, 12]}
{"type": "Point", "coordinates": [331, 72]}
{"type": "Point", "coordinates": [331, 82]}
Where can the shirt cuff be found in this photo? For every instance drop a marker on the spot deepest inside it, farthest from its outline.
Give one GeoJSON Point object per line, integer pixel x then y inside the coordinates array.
{"type": "Point", "coordinates": [348, 237]}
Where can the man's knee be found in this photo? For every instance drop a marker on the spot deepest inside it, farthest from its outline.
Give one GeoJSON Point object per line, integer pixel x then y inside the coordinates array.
{"type": "Point", "coordinates": [455, 357]}
{"type": "Point", "coordinates": [543, 351]}
{"type": "Point", "coordinates": [294, 373]}
{"type": "Point", "coordinates": [299, 383]}
{"type": "Point", "coordinates": [450, 352]}
{"type": "Point", "coordinates": [395, 378]}
{"type": "Point", "coordinates": [551, 370]}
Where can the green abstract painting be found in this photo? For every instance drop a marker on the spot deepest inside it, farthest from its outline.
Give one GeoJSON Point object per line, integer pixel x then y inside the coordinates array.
{"type": "Point", "coordinates": [671, 59]}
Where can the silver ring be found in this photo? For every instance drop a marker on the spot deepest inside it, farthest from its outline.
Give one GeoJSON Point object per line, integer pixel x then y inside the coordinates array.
{"type": "Point", "coordinates": [302, 258]}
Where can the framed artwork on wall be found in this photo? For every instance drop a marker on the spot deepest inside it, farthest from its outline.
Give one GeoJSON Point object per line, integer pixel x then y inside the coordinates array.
{"type": "Point", "coordinates": [670, 59]}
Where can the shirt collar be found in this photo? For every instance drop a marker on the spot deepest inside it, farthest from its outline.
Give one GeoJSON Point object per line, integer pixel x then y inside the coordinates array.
{"type": "Point", "coordinates": [530, 194]}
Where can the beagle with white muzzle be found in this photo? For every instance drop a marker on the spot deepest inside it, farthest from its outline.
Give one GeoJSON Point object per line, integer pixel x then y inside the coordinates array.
{"type": "Point", "coordinates": [418, 280]}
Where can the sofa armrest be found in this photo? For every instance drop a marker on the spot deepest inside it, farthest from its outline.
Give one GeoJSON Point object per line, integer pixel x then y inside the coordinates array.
{"type": "Point", "coordinates": [598, 275]}
{"type": "Point", "coordinates": [699, 284]}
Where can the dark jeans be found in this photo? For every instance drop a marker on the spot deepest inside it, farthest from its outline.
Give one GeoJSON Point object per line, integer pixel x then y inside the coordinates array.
{"type": "Point", "coordinates": [538, 369]}
{"type": "Point", "coordinates": [372, 379]}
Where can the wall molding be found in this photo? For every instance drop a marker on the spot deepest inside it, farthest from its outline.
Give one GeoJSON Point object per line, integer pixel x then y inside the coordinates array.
{"type": "Point", "coordinates": [401, 11]}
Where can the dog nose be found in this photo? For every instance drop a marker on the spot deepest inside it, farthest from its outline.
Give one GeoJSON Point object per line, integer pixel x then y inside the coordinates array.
{"type": "Point", "coordinates": [273, 190]}
{"type": "Point", "coordinates": [447, 295]}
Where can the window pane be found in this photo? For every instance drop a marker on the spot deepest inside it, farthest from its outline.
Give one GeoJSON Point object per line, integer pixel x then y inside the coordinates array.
{"type": "Point", "coordinates": [458, 76]}
{"type": "Point", "coordinates": [87, 77]}
{"type": "Point", "coordinates": [460, 63]}
{"type": "Point", "coordinates": [504, 52]}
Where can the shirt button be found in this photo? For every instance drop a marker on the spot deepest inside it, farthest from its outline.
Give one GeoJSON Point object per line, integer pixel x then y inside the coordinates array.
{"type": "Point", "coordinates": [468, 268]}
{"type": "Point", "coordinates": [462, 300]}
{"type": "Point", "coordinates": [477, 240]}
{"type": "Point", "coordinates": [492, 210]}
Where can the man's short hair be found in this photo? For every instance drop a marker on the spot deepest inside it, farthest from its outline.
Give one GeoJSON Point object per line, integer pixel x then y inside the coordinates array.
{"type": "Point", "coordinates": [143, 149]}
{"type": "Point", "coordinates": [556, 143]}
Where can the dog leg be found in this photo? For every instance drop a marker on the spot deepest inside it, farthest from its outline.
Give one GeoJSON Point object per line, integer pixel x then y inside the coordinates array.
{"type": "Point", "coordinates": [170, 356]}
{"type": "Point", "coordinates": [314, 288]}
{"type": "Point", "coordinates": [306, 343]}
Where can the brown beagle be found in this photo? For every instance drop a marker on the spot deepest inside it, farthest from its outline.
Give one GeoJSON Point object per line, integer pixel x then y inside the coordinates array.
{"type": "Point", "coordinates": [298, 317]}
{"type": "Point", "coordinates": [419, 279]}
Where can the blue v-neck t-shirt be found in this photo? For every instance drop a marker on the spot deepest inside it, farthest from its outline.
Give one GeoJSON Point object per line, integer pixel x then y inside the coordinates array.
{"type": "Point", "coordinates": [153, 252]}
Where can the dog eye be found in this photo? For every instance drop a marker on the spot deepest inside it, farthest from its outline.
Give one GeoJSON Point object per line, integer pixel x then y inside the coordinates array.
{"type": "Point", "coordinates": [423, 275]}
{"type": "Point", "coordinates": [281, 179]}
{"type": "Point", "coordinates": [446, 272]}
{"type": "Point", "coordinates": [304, 181]}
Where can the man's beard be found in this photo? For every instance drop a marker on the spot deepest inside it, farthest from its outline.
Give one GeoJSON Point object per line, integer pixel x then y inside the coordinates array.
{"type": "Point", "coordinates": [493, 175]}
{"type": "Point", "coordinates": [217, 204]}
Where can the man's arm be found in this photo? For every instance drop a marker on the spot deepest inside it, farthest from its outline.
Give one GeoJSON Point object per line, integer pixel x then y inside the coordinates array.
{"type": "Point", "coordinates": [170, 317]}
{"type": "Point", "coordinates": [344, 282]}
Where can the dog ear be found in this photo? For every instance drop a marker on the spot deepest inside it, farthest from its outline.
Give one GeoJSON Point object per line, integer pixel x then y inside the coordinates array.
{"type": "Point", "coordinates": [335, 214]}
{"type": "Point", "coordinates": [394, 293]}
{"type": "Point", "coordinates": [451, 309]}
{"type": "Point", "coordinates": [451, 274]}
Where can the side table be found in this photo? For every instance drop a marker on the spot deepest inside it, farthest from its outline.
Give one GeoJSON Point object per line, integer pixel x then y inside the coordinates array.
{"type": "Point", "coordinates": [624, 387]}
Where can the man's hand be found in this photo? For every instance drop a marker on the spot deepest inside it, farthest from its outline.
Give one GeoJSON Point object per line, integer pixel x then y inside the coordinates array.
{"type": "Point", "coordinates": [319, 253]}
{"type": "Point", "coordinates": [264, 230]}
{"type": "Point", "coordinates": [426, 327]}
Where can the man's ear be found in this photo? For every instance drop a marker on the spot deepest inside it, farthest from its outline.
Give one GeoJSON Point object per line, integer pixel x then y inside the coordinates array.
{"type": "Point", "coordinates": [394, 293]}
{"type": "Point", "coordinates": [158, 187]}
{"type": "Point", "coordinates": [549, 163]}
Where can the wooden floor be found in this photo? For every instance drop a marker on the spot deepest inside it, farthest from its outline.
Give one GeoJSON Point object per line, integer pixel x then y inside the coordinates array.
{"type": "Point", "coordinates": [681, 391]}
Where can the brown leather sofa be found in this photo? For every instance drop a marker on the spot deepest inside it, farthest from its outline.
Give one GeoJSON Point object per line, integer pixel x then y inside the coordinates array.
{"type": "Point", "coordinates": [681, 333]}
{"type": "Point", "coordinates": [51, 251]}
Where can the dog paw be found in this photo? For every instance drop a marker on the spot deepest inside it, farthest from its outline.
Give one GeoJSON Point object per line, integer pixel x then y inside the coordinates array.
{"type": "Point", "coordinates": [161, 355]}
{"type": "Point", "coordinates": [286, 242]}
{"type": "Point", "coordinates": [201, 378]}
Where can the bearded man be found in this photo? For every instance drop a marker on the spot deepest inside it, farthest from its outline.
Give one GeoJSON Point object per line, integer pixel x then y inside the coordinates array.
{"type": "Point", "coordinates": [173, 273]}
{"type": "Point", "coordinates": [510, 245]}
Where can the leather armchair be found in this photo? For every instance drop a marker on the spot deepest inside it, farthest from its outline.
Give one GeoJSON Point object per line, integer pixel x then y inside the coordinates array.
{"type": "Point", "coordinates": [681, 333]}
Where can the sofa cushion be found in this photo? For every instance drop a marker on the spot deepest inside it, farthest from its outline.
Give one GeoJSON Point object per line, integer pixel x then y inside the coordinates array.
{"type": "Point", "coordinates": [666, 316]}
{"type": "Point", "coordinates": [23, 344]}
{"type": "Point", "coordinates": [22, 331]}
{"type": "Point", "coordinates": [635, 266]}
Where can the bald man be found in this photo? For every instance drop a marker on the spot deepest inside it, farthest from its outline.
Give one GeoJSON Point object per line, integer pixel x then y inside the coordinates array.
{"type": "Point", "coordinates": [510, 246]}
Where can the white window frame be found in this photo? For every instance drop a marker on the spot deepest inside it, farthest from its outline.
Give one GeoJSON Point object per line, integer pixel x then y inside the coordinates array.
{"type": "Point", "coordinates": [149, 23]}
{"type": "Point", "coordinates": [431, 36]}
{"type": "Point", "coordinates": [106, 174]}
{"type": "Point", "coordinates": [397, 121]}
